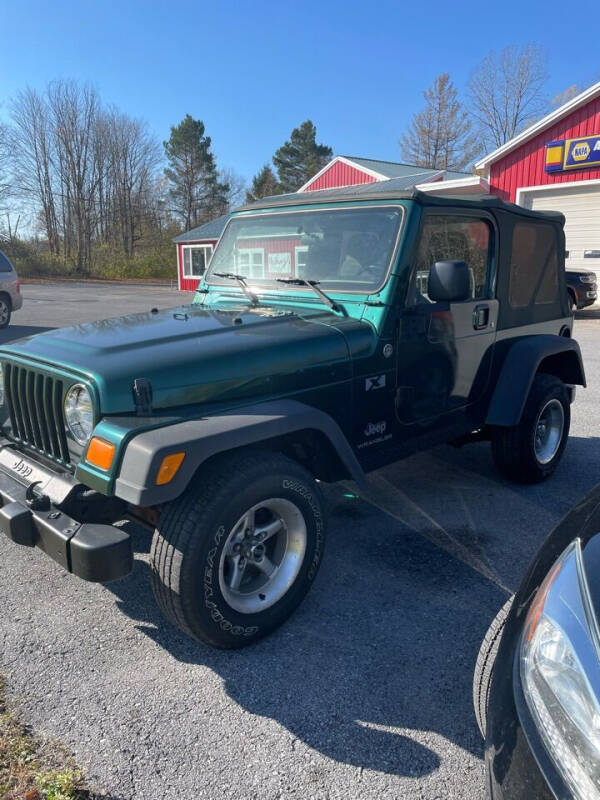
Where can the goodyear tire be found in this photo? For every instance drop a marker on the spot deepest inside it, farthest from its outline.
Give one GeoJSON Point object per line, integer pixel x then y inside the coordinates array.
{"type": "Point", "coordinates": [482, 678]}
{"type": "Point", "coordinates": [235, 555]}
{"type": "Point", "coordinates": [530, 451]}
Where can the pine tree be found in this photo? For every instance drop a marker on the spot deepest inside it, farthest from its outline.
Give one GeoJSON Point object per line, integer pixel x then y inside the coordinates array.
{"type": "Point", "coordinates": [264, 184]}
{"type": "Point", "coordinates": [196, 192]}
{"type": "Point", "coordinates": [440, 136]}
{"type": "Point", "coordinates": [300, 158]}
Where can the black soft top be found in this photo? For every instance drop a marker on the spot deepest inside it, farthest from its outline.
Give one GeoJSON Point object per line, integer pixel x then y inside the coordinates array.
{"type": "Point", "coordinates": [384, 190]}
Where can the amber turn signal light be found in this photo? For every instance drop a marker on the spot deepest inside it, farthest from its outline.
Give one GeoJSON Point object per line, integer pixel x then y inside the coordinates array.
{"type": "Point", "coordinates": [169, 467]}
{"type": "Point", "coordinates": [100, 453]}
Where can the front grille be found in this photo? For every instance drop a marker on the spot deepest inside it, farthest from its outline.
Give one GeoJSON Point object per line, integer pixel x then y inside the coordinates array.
{"type": "Point", "coordinates": [35, 406]}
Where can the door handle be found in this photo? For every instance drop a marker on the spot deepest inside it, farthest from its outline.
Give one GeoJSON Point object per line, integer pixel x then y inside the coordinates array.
{"type": "Point", "coordinates": [481, 317]}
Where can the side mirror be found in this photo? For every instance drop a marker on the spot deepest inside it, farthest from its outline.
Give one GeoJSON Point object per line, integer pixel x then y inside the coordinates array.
{"type": "Point", "coordinates": [450, 281]}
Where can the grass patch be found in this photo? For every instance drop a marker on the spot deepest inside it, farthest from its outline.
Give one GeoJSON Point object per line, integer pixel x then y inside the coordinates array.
{"type": "Point", "coordinates": [32, 769]}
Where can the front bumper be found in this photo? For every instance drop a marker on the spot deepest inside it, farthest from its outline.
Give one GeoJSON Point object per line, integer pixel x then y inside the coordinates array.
{"type": "Point", "coordinates": [16, 300]}
{"type": "Point", "coordinates": [586, 296]}
{"type": "Point", "coordinates": [94, 552]}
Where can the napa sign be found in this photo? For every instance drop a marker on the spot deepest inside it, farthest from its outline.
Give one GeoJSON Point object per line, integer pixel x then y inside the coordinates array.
{"type": "Point", "coordinates": [568, 154]}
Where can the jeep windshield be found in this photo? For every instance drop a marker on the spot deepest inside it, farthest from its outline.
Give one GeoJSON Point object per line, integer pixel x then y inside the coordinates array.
{"type": "Point", "coordinates": [348, 249]}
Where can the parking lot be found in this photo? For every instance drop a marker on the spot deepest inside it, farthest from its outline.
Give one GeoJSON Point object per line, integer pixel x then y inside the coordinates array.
{"type": "Point", "coordinates": [365, 693]}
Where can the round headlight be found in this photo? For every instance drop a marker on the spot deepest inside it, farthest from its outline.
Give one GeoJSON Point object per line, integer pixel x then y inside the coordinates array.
{"type": "Point", "coordinates": [79, 413]}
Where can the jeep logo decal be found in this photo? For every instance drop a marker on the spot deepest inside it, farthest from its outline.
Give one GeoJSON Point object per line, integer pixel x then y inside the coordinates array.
{"type": "Point", "coordinates": [22, 468]}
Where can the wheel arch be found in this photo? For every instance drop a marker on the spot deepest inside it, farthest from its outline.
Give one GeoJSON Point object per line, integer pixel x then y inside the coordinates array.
{"type": "Point", "coordinates": [308, 435]}
{"type": "Point", "coordinates": [550, 354]}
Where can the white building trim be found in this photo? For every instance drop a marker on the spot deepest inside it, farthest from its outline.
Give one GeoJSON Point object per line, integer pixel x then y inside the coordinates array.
{"type": "Point", "coordinates": [554, 187]}
{"type": "Point", "coordinates": [537, 127]}
{"type": "Point", "coordinates": [474, 184]}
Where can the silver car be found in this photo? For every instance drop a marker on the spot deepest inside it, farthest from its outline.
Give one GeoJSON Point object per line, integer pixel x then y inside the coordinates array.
{"type": "Point", "coordinates": [11, 298]}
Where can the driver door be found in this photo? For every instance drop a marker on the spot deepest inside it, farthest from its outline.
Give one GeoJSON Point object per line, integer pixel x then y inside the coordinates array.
{"type": "Point", "coordinates": [445, 349]}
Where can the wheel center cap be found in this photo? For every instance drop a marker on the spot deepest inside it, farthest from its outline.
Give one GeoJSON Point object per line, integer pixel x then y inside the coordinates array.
{"type": "Point", "coordinates": [252, 549]}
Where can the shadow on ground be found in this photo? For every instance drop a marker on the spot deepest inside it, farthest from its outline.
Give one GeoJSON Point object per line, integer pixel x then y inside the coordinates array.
{"type": "Point", "coordinates": [378, 658]}
{"type": "Point", "coordinates": [588, 313]}
{"type": "Point", "coordinates": [15, 332]}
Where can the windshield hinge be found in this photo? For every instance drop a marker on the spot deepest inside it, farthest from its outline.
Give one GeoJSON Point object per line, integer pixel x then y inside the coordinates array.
{"type": "Point", "coordinates": [142, 396]}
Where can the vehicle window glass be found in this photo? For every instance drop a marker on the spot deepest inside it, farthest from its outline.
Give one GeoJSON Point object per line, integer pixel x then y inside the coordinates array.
{"type": "Point", "coordinates": [459, 238]}
{"type": "Point", "coordinates": [533, 265]}
{"type": "Point", "coordinates": [4, 264]}
{"type": "Point", "coordinates": [348, 248]}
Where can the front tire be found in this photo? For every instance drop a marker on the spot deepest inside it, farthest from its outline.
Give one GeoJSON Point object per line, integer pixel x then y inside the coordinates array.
{"type": "Point", "coordinates": [482, 678]}
{"type": "Point", "coordinates": [234, 556]}
{"type": "Point", "coordinates": [530, 451]}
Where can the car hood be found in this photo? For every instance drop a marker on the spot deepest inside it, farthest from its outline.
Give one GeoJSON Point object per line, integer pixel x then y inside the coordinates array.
{"type": "Point", "coordinates": [192, 354]}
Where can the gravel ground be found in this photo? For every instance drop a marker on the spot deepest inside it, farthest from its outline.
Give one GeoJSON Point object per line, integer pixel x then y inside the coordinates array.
{"type": "Point", "coordinates": [365, 693]}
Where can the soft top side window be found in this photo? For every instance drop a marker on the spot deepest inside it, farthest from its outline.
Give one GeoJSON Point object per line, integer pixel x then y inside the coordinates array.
{"type": "Point", "coordinates": [533, 265]}
{"type": "Point", "coordinates": [454, 237]}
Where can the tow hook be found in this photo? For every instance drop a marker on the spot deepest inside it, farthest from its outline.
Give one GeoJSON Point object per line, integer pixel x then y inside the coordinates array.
{"type": "Point", "coordinates": [35, 501]}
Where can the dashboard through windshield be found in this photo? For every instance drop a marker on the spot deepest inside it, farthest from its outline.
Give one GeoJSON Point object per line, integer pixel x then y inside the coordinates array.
{"type": "Point", "coordinates": [343, 249]}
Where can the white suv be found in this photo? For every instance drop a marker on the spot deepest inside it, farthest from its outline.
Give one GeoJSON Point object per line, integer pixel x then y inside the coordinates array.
{"type": "Point", "coordinates": [11, 298]}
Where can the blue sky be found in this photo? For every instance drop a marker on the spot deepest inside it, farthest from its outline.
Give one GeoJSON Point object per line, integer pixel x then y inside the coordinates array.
{"type": "Point", "coordinates": [253, 70]}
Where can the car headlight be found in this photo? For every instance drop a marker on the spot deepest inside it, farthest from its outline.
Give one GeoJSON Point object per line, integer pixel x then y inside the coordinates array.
{"type": "Point", "coordinates": [79, 413]}
{"type": "Point", "coordinates": [591, 278]}
{"type": "Point", "coordinates": [560, 673]}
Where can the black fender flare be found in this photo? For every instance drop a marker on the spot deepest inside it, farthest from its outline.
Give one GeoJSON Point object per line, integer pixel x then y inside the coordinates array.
{"type": "Point", "coordinates": [208, 436]}
{"type": "Point", "coordinates": [558, 355]}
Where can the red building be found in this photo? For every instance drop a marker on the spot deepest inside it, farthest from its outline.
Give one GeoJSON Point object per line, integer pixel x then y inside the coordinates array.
{"type": "Point", "coordinates": [555, 164]}
{"type": "Point", "coordinates": [195, 247]}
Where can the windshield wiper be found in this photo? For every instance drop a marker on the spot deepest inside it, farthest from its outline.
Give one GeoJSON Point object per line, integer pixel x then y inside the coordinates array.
{"type": "Point", "coordinates": [314, 285]}
{"type": "Point", "coordinates": [242, 282]}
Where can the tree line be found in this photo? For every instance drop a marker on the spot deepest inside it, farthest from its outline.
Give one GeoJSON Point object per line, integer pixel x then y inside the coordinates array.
{"type": "Point", "coordinates": [85, 187]}
{"type": "Point", "coordinates": [106, 197]}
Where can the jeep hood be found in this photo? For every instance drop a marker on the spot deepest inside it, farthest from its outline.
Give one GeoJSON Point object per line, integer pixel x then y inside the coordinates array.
{"type": "Point", "coordinates": [193, 355]}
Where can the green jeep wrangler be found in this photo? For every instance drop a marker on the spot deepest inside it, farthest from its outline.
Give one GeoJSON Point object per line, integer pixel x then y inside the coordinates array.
{"type": "Point", "coordinates": [333, 333]}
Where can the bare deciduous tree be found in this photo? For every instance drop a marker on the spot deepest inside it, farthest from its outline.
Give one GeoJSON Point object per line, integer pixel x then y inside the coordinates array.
{"type": "Point", "coordinates": [236, 184]}
{"type": "Point", "coordinates": [563, 97]}
{"type": "Point", "coordinates": [506, 92]}
{"type": "Point", "coordinates": [34, 166]}
{"type": "Point", "coordinates": [133, 157]}
{"type": "Point", "coordinates": [5, 183]}
{"type": "Point", "coordinates": [440, 136]}
{"type": "Point", "coordinates": [88, 171]}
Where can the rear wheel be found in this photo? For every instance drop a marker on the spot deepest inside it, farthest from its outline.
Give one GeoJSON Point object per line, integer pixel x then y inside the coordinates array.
{"type": "Point", "coordinates": [5, 311]}
{"type": "Point", "coordinates": [530, 451]}
{"type": "Point", "coordinates": [234, 556]}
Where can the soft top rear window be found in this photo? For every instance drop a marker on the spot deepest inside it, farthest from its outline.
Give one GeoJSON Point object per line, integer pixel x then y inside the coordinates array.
{"type": "Point", "coordinates": [533, 265]}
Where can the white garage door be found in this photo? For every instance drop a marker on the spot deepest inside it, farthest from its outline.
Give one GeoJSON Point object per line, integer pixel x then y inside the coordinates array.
{"type": "Point", "coordinates": [581, 207]}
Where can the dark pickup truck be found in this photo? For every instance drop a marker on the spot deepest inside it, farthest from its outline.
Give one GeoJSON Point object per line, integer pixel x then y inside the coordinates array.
{"type": "Point", "coordinates": [334, 332]}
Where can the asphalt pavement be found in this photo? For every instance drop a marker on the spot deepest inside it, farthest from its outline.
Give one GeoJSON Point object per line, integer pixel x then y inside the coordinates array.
{"type": "Point", "coordinates": [364, 693]}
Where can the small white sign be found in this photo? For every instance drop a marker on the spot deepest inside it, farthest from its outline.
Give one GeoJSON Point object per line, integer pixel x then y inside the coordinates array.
{"type": "Point", "coordinates": [280, 263]}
